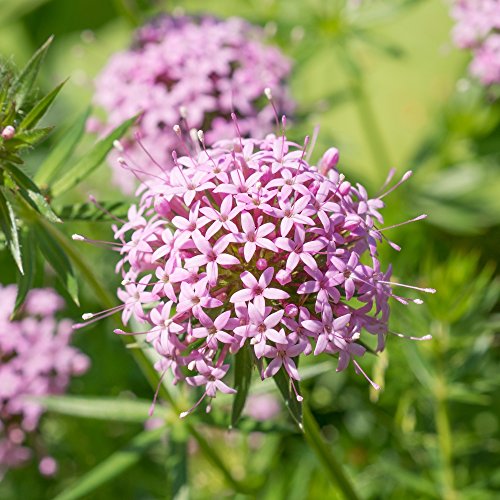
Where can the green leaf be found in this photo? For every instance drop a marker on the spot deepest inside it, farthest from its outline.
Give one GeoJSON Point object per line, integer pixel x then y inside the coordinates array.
{"type": "Point", "coordinates": [62, 151]}
{"type": "Point", "coordinates": [29, 138]}
{"type": "Point", "coordinates": [9, 226]}
{"type": "Point", "coordinates": [40, 108]}
{"type": "Point", "coordinates": [81, 169]}
{"type": "Point", "coordinates": [23, 84]}
{"type": "Point", "coordinates": [89, 212]}
{"type": "Point", "coordinates": [113, 466]}
{"type": "Point", "coordinates": [25, 281]}
{"type": "Point", "coordinates": [32, 194]}
{"type": "Point", "coordinates": [58, 260]}
{"type": "Point", "coordinates": [282, 381]}
{"type": "Point", "coordinates": [117, 409]}
{"type": "Point", "coordinates": [177, 463]}
{"type": "Point", "coordinates": [242, 379]}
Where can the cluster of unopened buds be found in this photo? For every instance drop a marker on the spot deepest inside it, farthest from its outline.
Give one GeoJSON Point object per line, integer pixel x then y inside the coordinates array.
{"type": "Point", "coordinates": [36, 359]}
{"type": "Point", "coordinates": [246, 245]}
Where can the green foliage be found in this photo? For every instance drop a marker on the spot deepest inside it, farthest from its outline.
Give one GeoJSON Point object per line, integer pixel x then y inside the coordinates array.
{"type": "Point", "coordinates": [113, 466]}
{"type": "Point", "coordinates": [372, 80]}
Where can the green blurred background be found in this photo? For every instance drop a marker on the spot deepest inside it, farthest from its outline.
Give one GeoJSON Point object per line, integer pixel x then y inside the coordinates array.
{"type": "Point", "coordinates": [382, 73]}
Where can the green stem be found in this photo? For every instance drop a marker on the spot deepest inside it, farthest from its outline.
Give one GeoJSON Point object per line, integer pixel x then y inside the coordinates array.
{"type": "Point", "coordinates": [317, 443]}
{"type": "Point", "coordinates": [368, 121]}
{"type": "Point", "coordinates": [371, 128]}
{"type": "Point", "coordinates": [445, 448]}
{"type": "Point", "coordinates": [442, 419]}
{"type": "Point", "coordinates": [140, 357]}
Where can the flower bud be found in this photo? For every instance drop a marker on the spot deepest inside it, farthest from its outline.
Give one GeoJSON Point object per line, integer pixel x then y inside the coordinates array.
{"type": "Point", "coordinates": [329, 160]}
{"type": "Point", "coordinates": [291, 310]}
{"type": "Point", "coordinates": [261, 264]}
{"type": "Point", "coordinates": [8, 132]}
{"type": "Point", "coordinates": [283, 276]}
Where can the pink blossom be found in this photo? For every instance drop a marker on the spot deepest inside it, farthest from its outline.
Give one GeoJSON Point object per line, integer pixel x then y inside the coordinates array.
{"type": "Point", "coordinates": [258, 290]}
{"type": "Point", "coordinates": [477, 27]}
{"type": "Point", "coordinates": [267, 257]}
{"type": "Point", "coordinates": [36, 360]}
{"type": "Point", "coordinates": [194, 72]}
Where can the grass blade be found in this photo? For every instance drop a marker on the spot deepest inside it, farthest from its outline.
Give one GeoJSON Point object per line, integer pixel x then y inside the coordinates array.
{"type": "Point", "coordinates": [40, 108]}
{"type": "Point", "coordinates": [25, 281]}
{"type": "Point", "coordinates": [83, 168]}
{"type": "Point", "coordinates": [23, 84]}
{"type": "Point", "coordinates": [117, 409]}
{"type": "Point", "coordinates": [9, 227]}
{"type": "Point", "coordinates": [113, 466]}
{"type": "Point", "coordinates": [58, 260]}
{"type": "Point", "coordinates": [62, 151]}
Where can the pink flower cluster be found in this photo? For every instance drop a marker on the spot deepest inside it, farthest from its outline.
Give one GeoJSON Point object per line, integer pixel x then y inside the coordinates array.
{"type": "Point", "coordinates": [192, 71]}
{"type": "Point", "coordinates": [35, 360]}
{"type": "Point", "coordinates": [478, 28]}
{"type": "Point", "coordinates": [247, 245]}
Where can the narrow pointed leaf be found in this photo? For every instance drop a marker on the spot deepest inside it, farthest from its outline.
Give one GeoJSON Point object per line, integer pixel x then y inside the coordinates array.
{"type": "Point", "coordinates": [29, 138]}
{"type": "Point", "coordinates": [25, 281]}
{"type": "Point", "coordinates": [83, 168]}
{"type": "Point", "coordinates": [23, 84]}
{"type": "Point", "coordinates": [32, 194]}
{"type": "Point", "coordinates": [9, 227]}
{"type": "Point", "coordinates": [121, 410]}
{"type": "Point", "coordinates": [89, 212]}
{"type": "Point", "coordinates": [58, 260]}
{"type": "Point", "coordinates": [62, 151]}
{"type": "Point", "coordinates": [113, 466]}
{"type": "Point", "coordinates": [40, 108]}
{"type": "Point", "coordinates": [242, 380]}
{"type": "Point", "coordinates": [282, 381]}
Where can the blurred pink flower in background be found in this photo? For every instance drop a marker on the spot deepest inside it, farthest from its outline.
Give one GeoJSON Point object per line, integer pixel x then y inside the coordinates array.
{"type": "Point", "coordinates": [477, 28]}
{"type": "Point", "coordinates": [192, 71]}
{"type": "Point", "coordinates": [36, 360]}
{"type": "Point", "coordinates": [262, 407]}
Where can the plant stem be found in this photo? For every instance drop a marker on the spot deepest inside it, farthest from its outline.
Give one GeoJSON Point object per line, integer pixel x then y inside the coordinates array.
{"type": "Point", "coordinates": [317, 443]}
{"type": "Point", "coordinates": [369, 124]}
{"type": "Point", "coordinates": [442, 419]}
{"type": "Point", "coordinates": [140, 357]}
{"type": "Point", "coordinates": [371, 129]}
{"type": "Point", "coordinates": [445, 448]}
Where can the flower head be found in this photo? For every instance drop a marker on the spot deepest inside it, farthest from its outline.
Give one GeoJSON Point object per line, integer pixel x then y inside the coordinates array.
{"type": "Point", "coordinates": [259, 265]}
{"type": "Point", "coordinates": [35, 360]}
{"type": "Point", "coordinates": [194, 71]}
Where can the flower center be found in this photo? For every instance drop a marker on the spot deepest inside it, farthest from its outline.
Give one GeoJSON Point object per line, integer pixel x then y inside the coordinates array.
{"type": "Point", "coordinates": [262, 328]}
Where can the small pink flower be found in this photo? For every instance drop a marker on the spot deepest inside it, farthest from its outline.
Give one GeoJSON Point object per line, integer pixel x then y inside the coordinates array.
{"type": "Point", "coordinates": [258, 290]}
{"type": "Point", "coordinates": [254, 237]}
